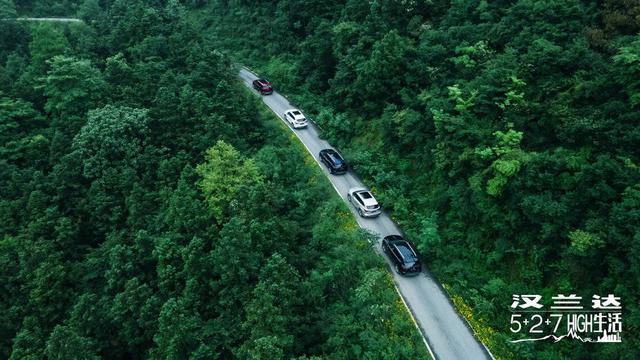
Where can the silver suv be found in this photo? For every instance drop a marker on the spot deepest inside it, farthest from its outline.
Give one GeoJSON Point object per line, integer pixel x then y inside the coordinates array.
{"type": "Point", "coordinates": [364, 202]}
{"type": "Point", "coordinates": [296, 118]}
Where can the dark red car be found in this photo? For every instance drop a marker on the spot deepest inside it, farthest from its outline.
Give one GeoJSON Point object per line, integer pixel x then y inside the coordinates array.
{"type": "Point", "coordinates": [263, 86]}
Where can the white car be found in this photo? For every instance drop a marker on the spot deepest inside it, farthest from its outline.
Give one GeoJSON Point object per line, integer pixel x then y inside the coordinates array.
{"type": "Point", "coordinates": [364, 202]}
{"type": "Point", "coordinates": [296, 118]}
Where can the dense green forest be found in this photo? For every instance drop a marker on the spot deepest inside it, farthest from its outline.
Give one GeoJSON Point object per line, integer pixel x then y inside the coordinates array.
{"type": "Point", "coordinates": [503, 135]}
{"type": "Point", "coordinates": [150, 209]}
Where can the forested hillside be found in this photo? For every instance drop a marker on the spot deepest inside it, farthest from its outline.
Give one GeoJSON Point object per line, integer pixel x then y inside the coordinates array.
{"type": "Point", "coordinates": [503, 135]}
{"type": "Point", "coordinates": [150, 209]}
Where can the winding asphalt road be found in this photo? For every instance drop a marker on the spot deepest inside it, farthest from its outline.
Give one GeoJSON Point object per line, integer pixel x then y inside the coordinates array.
{"type": "Point", "coordinates": [446, 333]}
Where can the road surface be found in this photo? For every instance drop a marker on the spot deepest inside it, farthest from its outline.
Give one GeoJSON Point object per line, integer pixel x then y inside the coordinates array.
{"type": "Point", "coordinates": [44, 19]}
{"type": "Point", "coordinates": [447, 334]}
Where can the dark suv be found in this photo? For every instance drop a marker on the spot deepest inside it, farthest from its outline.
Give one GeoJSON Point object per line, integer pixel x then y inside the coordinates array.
{"type": "Point", "coordinates": [263, 86]}
{"type": "Point", "coordinates": [402, 254]}
{"type": "Point", "coordinates": [334, 162]}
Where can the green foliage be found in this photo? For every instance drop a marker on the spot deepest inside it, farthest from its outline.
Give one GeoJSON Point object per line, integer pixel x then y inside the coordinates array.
{"type": "Point", "coordinates": [108, 245]}
{"type": "Point", "coordinates": [71, 84]}
{"type": "Point", "coordinates": [470, 55]}
{"type": "Point", "coordinates": [429, 238]}
{"type": "Point", "coordinates": [7, 9]}
{"type": "Point", "coordinates": [377, 80]}
{"type": "Point", "coordinates": [514, 97]}
{"type": "Point", "coordinates": [149, 208]}
{"type": "Point", "coordinates": [510, 126]}
{"type": "Point", "coordinates": [282, 71]}
{"type": "Point", "coordinates": [224, 173]}
{"type": "Point", "coordinates": [510, 159]}
{"type": "Point", "coordinates": [111, 135]}
{"type": "Point", "coordinates": [65, 343]}
{"type": "Point", "coordinates": [462, 103]}
{"type": "Point", "coordinates": [47, 42]}
{"type": "Point", "coordinates": [178, 327]}
{"type": "Point", "coordinates": [628, 58]}
{"type": "Point", "coordinates": [17, 118]}
{"type": "Point", "coordinates": [271, 312]}
{"type": "Point", "coordinates": [583, 242]}
{"type": "Point", "coordinates": [89, 10]}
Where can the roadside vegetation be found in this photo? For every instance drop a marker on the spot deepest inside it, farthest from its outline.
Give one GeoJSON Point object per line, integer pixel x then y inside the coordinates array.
{"type": "Point", "coordinates": [503, 135]}
{"type": "Point", "coordinates": [151, 208]}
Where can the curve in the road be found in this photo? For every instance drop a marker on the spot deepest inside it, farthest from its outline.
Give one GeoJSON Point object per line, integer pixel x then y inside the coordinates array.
{"type": "Point", "coordinates": [446, 334]}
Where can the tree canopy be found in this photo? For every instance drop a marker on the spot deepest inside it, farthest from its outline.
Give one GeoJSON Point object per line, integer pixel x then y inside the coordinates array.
{"type": "Point", "coordinates": [502, 135]}
{"type": "Point", "coordinates": [150, 208]}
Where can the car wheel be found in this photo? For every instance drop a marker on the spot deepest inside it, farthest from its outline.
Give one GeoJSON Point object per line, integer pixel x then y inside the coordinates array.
{"type": "Point", "coordinates": [360, 212]}
{"type": "Point", "coordinates": [398, 269]}
{"type": "Point", "coordinates": [348, 195]}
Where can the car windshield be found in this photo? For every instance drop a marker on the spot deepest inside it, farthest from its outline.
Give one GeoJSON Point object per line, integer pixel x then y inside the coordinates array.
{"type": "Point", "coordinates": [296, 112]}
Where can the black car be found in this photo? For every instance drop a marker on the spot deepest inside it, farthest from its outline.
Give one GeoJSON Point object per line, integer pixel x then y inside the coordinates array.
{"type": "Point", "coordinates": [402, 254]}
{"type": "Point", "coordinates": [334, 162]}
{"type": "Point", "coordinates": [263, 86]}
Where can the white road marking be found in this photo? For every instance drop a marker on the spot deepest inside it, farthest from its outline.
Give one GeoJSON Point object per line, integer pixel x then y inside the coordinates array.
{"type": "Point", "coordinates": [44, 19]}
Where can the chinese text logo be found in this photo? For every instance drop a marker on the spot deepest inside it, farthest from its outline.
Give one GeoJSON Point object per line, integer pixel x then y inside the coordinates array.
{"type": "Point", "coordinates": [567, 318]}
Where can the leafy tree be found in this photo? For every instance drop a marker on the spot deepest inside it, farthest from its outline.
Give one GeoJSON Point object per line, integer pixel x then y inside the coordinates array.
{"type": "Point", "coordinates": [628, 58]}
{"type": "Point", "coordinates": [178, 332]}
{"type": "Point", "coordinates": [135, 310]}
{"type": "Point", "coordinates": [47, 42]}
{"type": "Point", "coordinates": [510, 159]}
{"type": "Point", "coordinates": [17, 119]}
{"type": "Point", "coordinates": [269, 313]}
{"type": "Point", "coordinates": [120, 77]}
{"type": "Point", "coordinates": [71, 86]}
{"type": "Point", "coordinates": [89, 10]}
{"type": "Point", "coordinates": [112, 136]}
{"type": "Point", "coordinates": [224, 173]}
{"type": "Point", "coordinates": [65, 343]}
{"type": "Point", "coordinates": [7, 9]}
{"type": "Point", "coordinates": [378, 80]}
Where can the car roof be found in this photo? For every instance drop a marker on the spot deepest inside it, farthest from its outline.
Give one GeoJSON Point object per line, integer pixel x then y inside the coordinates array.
{"type": "Point", "coordinates": [335, 153]}
{"type": "Point", "coordinates": [335, 157]}
{"type": "Point", "coordinates": [367, 197]}
{"type": "Point", "coordinates": [296, 113]}
{"type": "Point", "coordinates": [405, 249]}
{"type": "Point", "coordinates": [365, 194]}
